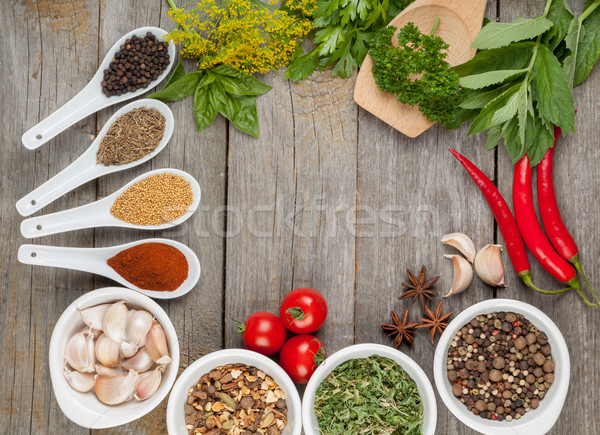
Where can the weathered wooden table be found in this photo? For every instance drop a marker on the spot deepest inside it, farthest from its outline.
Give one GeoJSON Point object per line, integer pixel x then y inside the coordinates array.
{"type": "Point", "coordinates": [328, 197]}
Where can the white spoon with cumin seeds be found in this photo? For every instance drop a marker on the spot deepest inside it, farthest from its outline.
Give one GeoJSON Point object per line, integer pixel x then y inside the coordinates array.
{"type": "Point", "coordinates": [97, 213]}
{"type": "Point", "coordinates": [86, 167]}
{"type": "Point", "coordinates": [91, 99]}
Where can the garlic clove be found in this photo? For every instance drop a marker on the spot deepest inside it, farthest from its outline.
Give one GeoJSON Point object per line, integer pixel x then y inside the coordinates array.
{"type": "Point", "coordinates": [113, 323]}
{"type": "Point", "coordinates": [128, 349]}
{"type": "Point", "coordinates": [462, 274]}
{"type": "Point", "coordinates": [113, 390]}
{"type": "Point", "coordinates": [93, 316]}
{"type": "Point", "coordinates": [462, 242]}
{"type": "Point", "coordinates": [138, 325]}
{"type": "Point", "coordinates": [488, 265]}
{"type": "Point", "coordinates": [79, 352]}
{"type": "Point", "coordinates": [82, 382]}
{"type": "Point", "coordinates": [102, 370]}
{"type": "Point", "coordinates": [107, 351]}
{"type": "Point", "coordinates": [156, 344]}
{"type": "Point", "coordinates": [140, 362]}
{"type": "Point", "coordinates": [149, 383]}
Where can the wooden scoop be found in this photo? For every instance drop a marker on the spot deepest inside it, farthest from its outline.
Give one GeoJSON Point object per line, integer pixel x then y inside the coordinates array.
{"type": "Point", "coordinates": [460, 22]}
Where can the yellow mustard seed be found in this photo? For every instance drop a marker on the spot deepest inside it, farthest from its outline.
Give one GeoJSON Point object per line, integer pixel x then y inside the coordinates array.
{"type": "Point", "coordinates": [155, 200]}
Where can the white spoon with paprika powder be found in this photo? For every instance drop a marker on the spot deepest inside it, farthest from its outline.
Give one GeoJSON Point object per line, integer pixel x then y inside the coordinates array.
{"type": "Point", "coordinates": [98, 213]}
{"type": "Point", "coordinates": [87, 168]}
{"type": "Point", "coordinates": [95, 260]}
{"type": "Point", "coordinates": [91, 99]}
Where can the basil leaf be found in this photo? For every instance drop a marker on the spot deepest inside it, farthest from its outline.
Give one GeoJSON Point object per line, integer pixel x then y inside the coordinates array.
{"type": "Point", "coordinates": [179, 89]}
{"type": "Point", "coordinates": [178, 72]}
{"type": "Point", "coordinates": [480, 99]}
{"type": "Point", "coordinates": [227, 70]}
{"type": "Point", "coordinates": [241, 111]}
{"type": "Point", "coordinates": [589, 45]}
{"type": "Point", "coordinates": [207, 79]}
{"type": "Point", "coordinates": [204, 111]}
{"type": "Point", "coordinates": [302, 66]}
{"type": "Point", "coordinates": [515, 56]}
{"type": "Point", "coordinates": [483, 80]}
{"type": "Point", "coordinates": [496, 35]}
{"type": "Point", "coordinates": [485, 119]}
{"type": "Point", "coordinates": [248, 85]}
{"type": "Point", "coordinates": [555, 102]}
{"type": "Point", "coordinates": [217, 95]}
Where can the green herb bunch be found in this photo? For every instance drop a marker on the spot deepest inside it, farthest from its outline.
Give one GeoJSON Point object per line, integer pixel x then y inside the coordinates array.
{"type": "Point", "coordinates": [345, 29]}
{"type": "Point", "coordinates": [519, 85]}
{"type": "Point", "coordinates": [394, 67]}
{"type": "Point", "coordinates": [370, 396]}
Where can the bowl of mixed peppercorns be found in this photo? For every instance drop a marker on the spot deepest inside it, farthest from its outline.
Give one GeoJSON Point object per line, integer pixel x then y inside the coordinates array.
{"type": "Point", "coordinates": [502, 366]}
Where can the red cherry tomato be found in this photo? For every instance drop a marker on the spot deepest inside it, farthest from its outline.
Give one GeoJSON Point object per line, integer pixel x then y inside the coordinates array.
{"type": "Point", "coordinates": [300, 356]}
{"type": "Point", "coordinates": [303, 310]}
{"type": "Point", "coordinates": [263, 333]}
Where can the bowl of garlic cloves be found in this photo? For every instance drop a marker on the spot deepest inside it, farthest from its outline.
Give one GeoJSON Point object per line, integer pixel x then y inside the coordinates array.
{"type": "Point", "coordinates": [114, 356]}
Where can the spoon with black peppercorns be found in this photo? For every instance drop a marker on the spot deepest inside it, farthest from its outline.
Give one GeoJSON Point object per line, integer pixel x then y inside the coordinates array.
{"type": "Point", "coordinates": [135, 64]}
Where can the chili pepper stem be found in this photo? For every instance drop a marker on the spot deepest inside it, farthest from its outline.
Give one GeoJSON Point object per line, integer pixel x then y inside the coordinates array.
{"type": "Point", "coordinates": [575, 262]}
{"type": "Point", "coordinates": [526, 278]}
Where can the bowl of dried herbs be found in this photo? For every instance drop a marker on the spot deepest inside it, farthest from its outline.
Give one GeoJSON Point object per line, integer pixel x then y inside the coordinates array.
{"type": "Point", "coordinates": [369, 389]}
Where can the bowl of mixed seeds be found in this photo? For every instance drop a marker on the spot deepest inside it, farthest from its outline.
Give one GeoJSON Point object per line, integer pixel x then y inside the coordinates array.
{"type": "Point", "coordinates": [237, 392]}
{"type": "Point", "coordinates": [502, 367]}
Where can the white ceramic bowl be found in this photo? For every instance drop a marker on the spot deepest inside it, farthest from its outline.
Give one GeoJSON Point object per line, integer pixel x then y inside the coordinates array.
{"type": "Point", "coordinates": [536, 421]}
{"type": "Point", "coordinates": [84, 408]}
{"type": "Point", "coordinates": [309, 419]}
{"type": "Point", "coordinates": [190, 376]}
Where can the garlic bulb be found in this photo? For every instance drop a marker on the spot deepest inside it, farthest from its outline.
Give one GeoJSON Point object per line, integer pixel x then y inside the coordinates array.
{"type": "Point", "coordinates": [113, 323]}
{"type": "Point", "coordinates": [102, 370]}
{"type": "Point", "coordinates": [488, 265]}
{"type": "Point", "coordinates": [113, 390]}
{"type": "Point", "coordinates": [462, 275]}
{"type": "Point", "coordinates": [79, 352]}
{"type": "Point", "coordinates": [462, 242]}
{"type": "Point", "coordinates": [107, 351]}
{"type": "Point", "coordinates": [93, 316]}
{"type": "Point", "coordinates": [82, 382]}
{"type": "Point", "coordinates": [134, 336]}
{"type": "Point", "coordinates": [156, 344]}
{"type": "Point", "coordinates": [140, 362]}
{"type": "Point", "coordinates": [149, 383]}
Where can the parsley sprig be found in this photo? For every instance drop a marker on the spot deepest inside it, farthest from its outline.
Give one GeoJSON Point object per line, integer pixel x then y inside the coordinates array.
{"type": "Point", "coordinates": [394, 70]}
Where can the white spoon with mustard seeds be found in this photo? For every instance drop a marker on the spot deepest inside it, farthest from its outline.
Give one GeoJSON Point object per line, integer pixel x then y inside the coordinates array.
{"type": "Point", "coordinates": [94, 260]}
{"type": "Point", "coordinates": [97, 213]}
{"type": "Point", "coordinates": [91, 99]}
{"type": "Point", "coordinates": [86, 168]}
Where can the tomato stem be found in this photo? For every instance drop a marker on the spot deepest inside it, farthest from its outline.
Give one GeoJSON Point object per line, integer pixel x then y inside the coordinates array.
{"type": "Point", "coordinates": [240, 326]}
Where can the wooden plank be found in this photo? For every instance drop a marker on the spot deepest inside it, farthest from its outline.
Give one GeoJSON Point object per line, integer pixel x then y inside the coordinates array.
{"type": "Point", "coordinates": [291, 196]}
{"type": "Point", "coordinates": [39, 34]}
{"type": "Point", "coordinates": [411, 192]}
{"type": "Point", "coordinates": [578, 189]}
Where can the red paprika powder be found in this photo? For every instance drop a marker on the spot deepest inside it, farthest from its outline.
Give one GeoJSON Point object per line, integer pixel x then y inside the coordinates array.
{"type": "Point", "coordinates": [152, 266]}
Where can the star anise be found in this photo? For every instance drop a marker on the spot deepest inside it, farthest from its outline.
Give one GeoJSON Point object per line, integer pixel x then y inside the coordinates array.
{"type": "Point", "coordinates": [419, 288]}
{"type": "Point", "coordinates": [402, 328]}
{"type": "Point", "coordinates": [436, 322]}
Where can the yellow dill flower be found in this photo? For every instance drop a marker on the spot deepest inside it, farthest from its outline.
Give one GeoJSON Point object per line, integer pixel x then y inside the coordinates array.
{"type": "Point", "coordinates": [249, 35]}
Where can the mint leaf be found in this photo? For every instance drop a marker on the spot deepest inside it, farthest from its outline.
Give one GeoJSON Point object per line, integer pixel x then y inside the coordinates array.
{"type": "Point", "coordinates": [522, 111]}
{"type": "Point", "coordinates": [510, 108]}
{"type": "Point", "coordinates": [485, 119]}
{"type": "Point", "coordinates": [560, 14]}
{"type": "Point", "coordinates": [496, 35]}
{"type": "Point", "coordinates": [555, 102]}
{"type": "Point", "coordinates": [480, 99]}
{"type": "Point", "coordinates": [515, 56]}
{"type": "Point", "coordinates": [493, 137]}
{"type": "Point", "coordinates": [573, 39]}
{"type": "Point", "coordinates": [544, 139]}
{"type": "Point", "coordinates": [589, 45]}
{"type": "Point", "coordinates": [483, 80]}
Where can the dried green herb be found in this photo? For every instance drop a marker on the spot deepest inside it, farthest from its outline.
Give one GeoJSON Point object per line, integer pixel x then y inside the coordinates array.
{"type": "Point", "coordinates": [372, 395]}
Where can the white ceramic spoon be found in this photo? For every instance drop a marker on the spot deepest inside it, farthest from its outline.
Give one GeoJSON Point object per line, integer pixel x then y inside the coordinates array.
{"type": "Point", "coordinates": [97, 213]}
{"type": "Point", "coordinates": [91, 99]}
{"type": "Point", "coordinates": [93, 260]}
{"type": "Point", "coordinates": [85, 167]}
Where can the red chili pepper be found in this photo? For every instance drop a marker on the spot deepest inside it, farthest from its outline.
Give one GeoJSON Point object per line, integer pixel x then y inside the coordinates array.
{"type": "Point", "coordinates": [506, 223]}
{"type": "Point", "coordinates": [532, 233]}
{"type": "Point", "coordinates": [555, 228]}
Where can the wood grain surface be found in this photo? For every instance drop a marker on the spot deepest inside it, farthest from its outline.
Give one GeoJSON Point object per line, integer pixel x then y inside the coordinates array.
{"type": "Point", "coordinates": [329, 197]}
